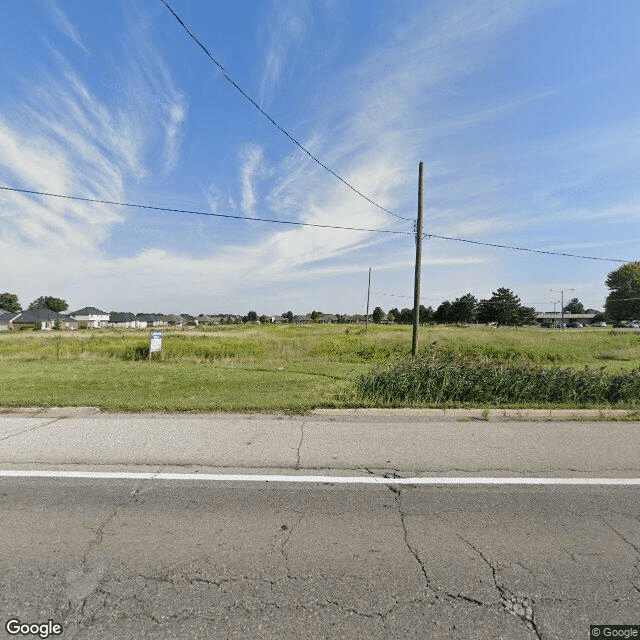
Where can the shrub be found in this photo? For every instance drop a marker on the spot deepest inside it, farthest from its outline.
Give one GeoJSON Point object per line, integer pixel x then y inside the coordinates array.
{"type": "Point", "coordinates": [442, 378]}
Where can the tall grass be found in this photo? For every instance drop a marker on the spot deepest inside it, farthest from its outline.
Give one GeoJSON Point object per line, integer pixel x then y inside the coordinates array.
{"type": "Point", "coordinates": [443, 377]}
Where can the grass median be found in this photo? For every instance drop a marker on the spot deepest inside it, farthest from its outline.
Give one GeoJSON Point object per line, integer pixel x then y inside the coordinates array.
{"type": "Point", "coordinates": [291, 368]}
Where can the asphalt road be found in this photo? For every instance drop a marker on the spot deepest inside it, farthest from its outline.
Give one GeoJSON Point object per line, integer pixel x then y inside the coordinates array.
{"type": "Point", "coordinates": [156, 558]}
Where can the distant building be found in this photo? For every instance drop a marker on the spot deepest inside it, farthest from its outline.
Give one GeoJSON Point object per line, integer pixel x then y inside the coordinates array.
{"type": "Point", "coordinates": [44, 318]}
{"type": "Point", "coordinates": [90, 318]}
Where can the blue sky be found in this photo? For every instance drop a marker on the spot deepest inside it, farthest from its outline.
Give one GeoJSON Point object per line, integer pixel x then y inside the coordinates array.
{"type": "Point", "coordinates": [524, 114]}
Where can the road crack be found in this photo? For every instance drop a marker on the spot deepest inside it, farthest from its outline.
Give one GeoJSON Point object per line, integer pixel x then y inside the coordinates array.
{"type": "Point", "coordinates": [288, 531]}
{"type": "Point", "coordinates": [40, 426]}
{"type": "Point", "coordinates": [300, 444]}
{"type": "Point", "coordinates": [521, 607]}
{"type": "Point", "coordinates": [86, 580]}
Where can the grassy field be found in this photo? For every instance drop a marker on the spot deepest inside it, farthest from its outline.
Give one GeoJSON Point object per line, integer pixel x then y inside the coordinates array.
{"type": "Point", "coordinates": [291, 367]}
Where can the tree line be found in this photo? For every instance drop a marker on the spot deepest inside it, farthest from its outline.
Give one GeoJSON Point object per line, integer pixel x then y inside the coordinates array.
{"type": "Point", "coordinates": [503, 307]}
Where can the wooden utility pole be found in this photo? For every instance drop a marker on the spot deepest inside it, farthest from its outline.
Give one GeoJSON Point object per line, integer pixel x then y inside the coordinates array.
{"type": "Point", "coordinates": [416, 287]}
{"type": "Point", "coordinates": [366, 320]}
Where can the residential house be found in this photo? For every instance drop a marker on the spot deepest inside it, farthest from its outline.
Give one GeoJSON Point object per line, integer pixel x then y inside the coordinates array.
{"type": "Point", "coordinates": [174, 320]}
{"type": "Point", "coordinates": [6, 319]}
{"type": "Point", "coordinates": [124, 320]}
{"type": "Point", "coordinates": [90, 318]}
{"type": "Point", "coordinates": [43, 318]}
{"type": "Point", "coordinates": [152, 319]}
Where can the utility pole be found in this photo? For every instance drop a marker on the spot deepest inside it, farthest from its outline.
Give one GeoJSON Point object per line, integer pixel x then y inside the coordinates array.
{"type": "Point", "coordinates": [366, 321]}
{"type": "Point", "coordinates": [561, 292]}
{"type": "Point", "coordinates": [416, 287]}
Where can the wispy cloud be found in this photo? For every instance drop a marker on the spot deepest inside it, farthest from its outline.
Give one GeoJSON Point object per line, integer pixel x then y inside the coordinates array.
{"type": "Point", "coordinates": [251, 170]}
{"type": "Point", "coordinates": [61, 136]}
{"type": "Point", "coordinates": [64, 24]}
{"type": "Point", "coordinates": [287, 26]}
{"type": "Point", "coordinates": [373, 130]}
{"type": "Point", "coordinates": [146, 72]}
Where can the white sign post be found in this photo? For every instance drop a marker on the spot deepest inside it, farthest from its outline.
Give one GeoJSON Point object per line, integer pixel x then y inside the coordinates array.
{"type": "Point", "coordinates": [155, 343]}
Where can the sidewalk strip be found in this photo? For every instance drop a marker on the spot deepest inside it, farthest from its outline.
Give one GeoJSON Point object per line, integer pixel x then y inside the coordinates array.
{"type": "Point", "coordinates": [208, 477]}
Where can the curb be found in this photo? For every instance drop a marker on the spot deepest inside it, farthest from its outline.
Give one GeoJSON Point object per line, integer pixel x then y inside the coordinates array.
{"type": "Point", "coordinates": [459, 415]}
{"type": "Point", "coordinates": [464, 415]}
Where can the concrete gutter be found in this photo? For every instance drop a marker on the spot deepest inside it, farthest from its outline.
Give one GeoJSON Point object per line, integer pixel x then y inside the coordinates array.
{"type": "Point", "coordinates": [457, 415]}
{"type": "Point", "coordinates": [463, 415]}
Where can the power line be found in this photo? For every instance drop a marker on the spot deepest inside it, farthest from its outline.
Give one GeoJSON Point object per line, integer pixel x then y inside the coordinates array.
{"type": "Point", "coordinates": [504, 246]}
{"type": "Point", "coordinates": [201, 213]}
{"type": "Point", "coordinates": [301, 224]}
{"type": "Point", "coordinates": [270, 119]}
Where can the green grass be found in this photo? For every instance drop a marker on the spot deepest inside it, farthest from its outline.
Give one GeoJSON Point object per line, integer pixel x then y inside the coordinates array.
{"type": "Point", "coordinates": [163, 386]}
{"type": "Point", "coordinates": [291, 367]}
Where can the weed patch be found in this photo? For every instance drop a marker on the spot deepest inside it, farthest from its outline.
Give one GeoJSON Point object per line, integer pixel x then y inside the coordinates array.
{"type": "Point", "coordinates": [450, 378]}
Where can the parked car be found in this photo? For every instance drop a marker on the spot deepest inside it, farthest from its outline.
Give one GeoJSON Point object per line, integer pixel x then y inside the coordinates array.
{"type": "Point", "coordinates": [634, 325]}
{"type": "Point", "coordinates": [621, 325]}
{"type": "Point", "coordinates": [575, 325]}
{"type": "Point", "coordinates": [599, 324]}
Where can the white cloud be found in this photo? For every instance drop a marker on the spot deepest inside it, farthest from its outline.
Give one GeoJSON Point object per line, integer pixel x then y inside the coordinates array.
{"type": "Point", "coordinates": [251, 170]}
{"type": "Point", "coordinates": [65, 25]}
{"type": "Point", "coordinates": [371, 136]}
{"type": "Point", "coordinates": [60, 137]}
{"type": "Point", "coordinates": [287, 26]}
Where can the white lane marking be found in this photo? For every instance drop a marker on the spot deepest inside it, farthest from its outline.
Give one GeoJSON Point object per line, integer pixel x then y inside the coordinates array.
{"type": "Point", "coordinates": [118, 475]}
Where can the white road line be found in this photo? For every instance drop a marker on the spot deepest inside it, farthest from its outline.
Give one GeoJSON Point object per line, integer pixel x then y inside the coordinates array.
{"type": "Point", "coordinates": [208, 477]}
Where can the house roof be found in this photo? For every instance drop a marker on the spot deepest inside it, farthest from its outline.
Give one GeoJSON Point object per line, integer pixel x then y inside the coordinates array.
{"type": "Point", "coordinates": [8, 316]}
{"type": "Point", "coordinates": [118, 316]}
{"type": "Point", "coordinates": [150, 317]}
{"type": "Point", "coordinates": [40, 315]}
{"type": "Point", "coordinates": [89, 311]}
{"type": "Point", "coordinates": [172, 317]}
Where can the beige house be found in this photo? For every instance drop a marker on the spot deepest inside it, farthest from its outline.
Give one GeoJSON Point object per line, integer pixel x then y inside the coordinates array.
{"type": "Point", "coordinates": [90, 318]}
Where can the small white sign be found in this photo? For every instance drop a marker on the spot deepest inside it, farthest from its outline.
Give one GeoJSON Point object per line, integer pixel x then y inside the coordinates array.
{"type": "Point", "coordinates": [156, 342]}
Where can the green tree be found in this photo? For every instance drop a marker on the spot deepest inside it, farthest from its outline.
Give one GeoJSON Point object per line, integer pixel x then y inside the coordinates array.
{"type": "Point", "coordinates": [406, 316]}
{"type": "Point", "coordinates": [377, 315]}
{"type": "Point", "coordinates": [623, 301]}
{"type": "Point", "coordinates": [425, 314]}
{"type": "Point", "coordinates": [10, 302]}
{"type": "Point", "coordinates": [252, 316]}
{"type": "Point", "coordinates": [503, 307]}
{"type": "Point", "coordinates": [288, 316]}
{"type": "Point", "coordinates": [393, 315]}
{"type": "Point", "coordinates": [526, 315]}
{"type": "Point", "coordinates": [49, 302]}
{"type": "Point", "coordinates": [574, 306]}
{"type": "Point", "coordinates": [442, 314]}
{"type": "Point", "coordinates": [464, 309]}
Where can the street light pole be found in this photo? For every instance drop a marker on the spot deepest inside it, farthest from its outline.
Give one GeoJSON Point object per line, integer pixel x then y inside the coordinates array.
{"type": "Point", "coordinates": [554, 313]}
{"type": "Point", "coordinates": [561, 292]}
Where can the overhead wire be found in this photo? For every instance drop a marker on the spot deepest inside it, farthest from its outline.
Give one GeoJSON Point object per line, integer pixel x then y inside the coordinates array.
{"type": "Point", "coordinates": [505, 246]}
{"type": "Point", "coordinates": [202, 213]}
{"type": "Point", "coordinates": [294, 222]}
{"type": "Point", "coordinates": [271, 120]}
